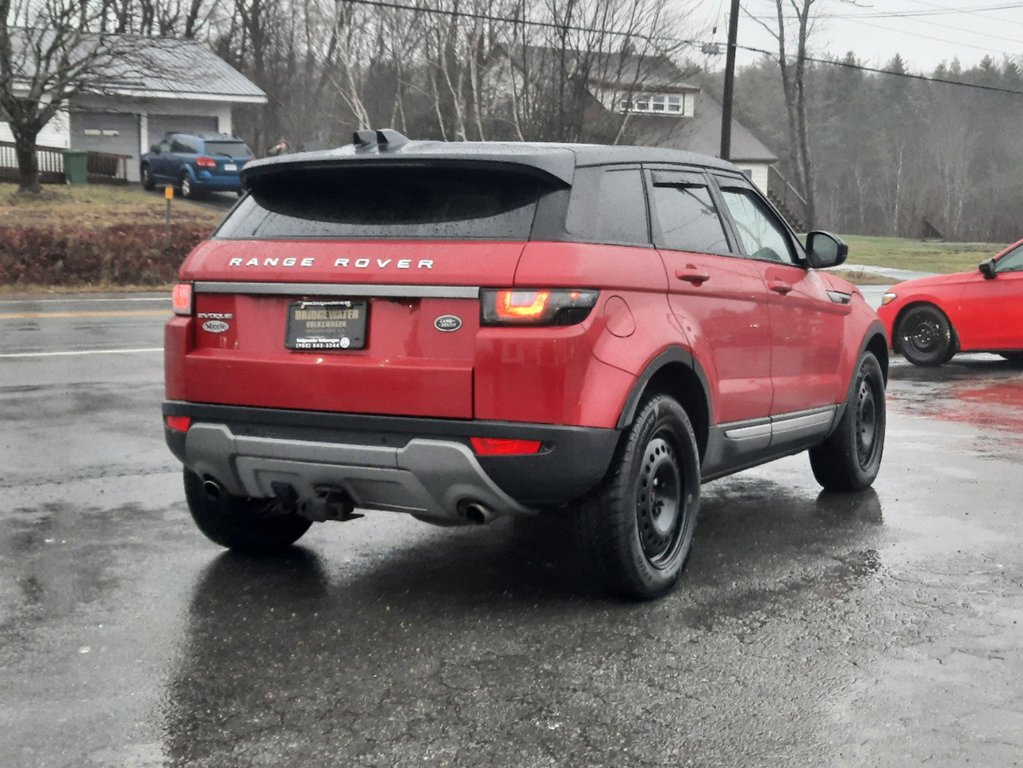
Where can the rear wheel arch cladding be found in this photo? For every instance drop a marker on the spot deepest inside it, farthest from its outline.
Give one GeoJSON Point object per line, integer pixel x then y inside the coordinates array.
{"type": "Point", "coordinates": [674, 372]}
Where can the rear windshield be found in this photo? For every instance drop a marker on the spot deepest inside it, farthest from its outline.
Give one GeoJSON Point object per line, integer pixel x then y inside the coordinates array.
{"type": "Point", "coordinates": [229, 148]}
{"type": "Point", "coordinates": [396, 202]}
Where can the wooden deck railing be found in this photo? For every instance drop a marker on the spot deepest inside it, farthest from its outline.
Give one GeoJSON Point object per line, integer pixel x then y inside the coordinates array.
{"type": "Point", "coordinates": [101, 167]}
{"type": "Point", "coordinates": [107, 167]}
{"type": "Point", "coordinates": [50, 159]}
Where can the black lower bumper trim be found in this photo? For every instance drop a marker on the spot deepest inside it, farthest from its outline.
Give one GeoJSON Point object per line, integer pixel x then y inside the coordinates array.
{"type": "Point", "coordinates": [571, 462]}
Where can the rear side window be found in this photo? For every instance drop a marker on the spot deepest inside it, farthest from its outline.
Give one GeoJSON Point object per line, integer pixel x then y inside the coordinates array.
{"type": "Point", "coordinates": [688, 220]}
{"type": "Point", "coordinates": [608, 206]}
{"type": "Point", "coordinates": [397, 202]}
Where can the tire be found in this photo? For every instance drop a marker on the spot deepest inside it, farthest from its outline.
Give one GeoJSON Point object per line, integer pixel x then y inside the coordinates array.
{"type": "Point", "coordinates": [253, 526]}
{"type": "Point", "coordinates": [1014, 358]}
{"type": "Point", "coordinates": [638, 541]}
{"type": "Point", "coordinates": [147, 179]}
{"type": "Point", "coordinates": [925, 336]}
{"type": "Point", "coordinates": [850, 458]}
{"type": "Point", "coordinates": [187, 190]}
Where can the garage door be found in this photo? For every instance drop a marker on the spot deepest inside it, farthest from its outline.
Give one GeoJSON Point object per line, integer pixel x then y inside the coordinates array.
{"type": "Point", "coordinates": [113, 132]}
{"type": "Point", "coordinates": [162, 124]}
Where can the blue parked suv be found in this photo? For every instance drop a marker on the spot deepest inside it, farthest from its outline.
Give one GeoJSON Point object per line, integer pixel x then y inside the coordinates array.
{"type": "Point", "coordinates": [195, 163]}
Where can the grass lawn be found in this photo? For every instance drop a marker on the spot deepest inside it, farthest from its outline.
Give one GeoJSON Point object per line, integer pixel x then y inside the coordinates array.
{"type": "Point", "coordinates": [918, 255]}
{"type": "Point", "coordinates": [97, 206]}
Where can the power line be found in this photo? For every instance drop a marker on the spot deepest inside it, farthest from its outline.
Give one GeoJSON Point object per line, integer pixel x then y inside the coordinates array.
{"type": "Point", "coordinates": [651, 38]}
{"type": "Point", "coordinates": [909, 75]}
{"type": "Point", "coordinates": [508, 20]}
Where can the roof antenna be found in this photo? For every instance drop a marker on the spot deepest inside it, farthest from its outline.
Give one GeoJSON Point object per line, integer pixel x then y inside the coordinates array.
{"type": "Point", "coordinates": [388, 138]}
{"type": "Point", "coordinates": [363, 139]}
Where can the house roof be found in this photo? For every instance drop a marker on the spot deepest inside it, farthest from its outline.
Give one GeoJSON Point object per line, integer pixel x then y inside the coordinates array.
{"type": "Point", "coordinates": [701, 133]}
{"type": "Point", "coordinates": [158, 67]}
{"type": "Point", "coordinates": [625, 71]}
{"type": "Point", "coordinates": [182, 67]}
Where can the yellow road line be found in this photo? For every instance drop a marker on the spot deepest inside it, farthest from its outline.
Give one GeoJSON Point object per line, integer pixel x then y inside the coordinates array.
{"type": "Point", "coordinates": [64, 315]}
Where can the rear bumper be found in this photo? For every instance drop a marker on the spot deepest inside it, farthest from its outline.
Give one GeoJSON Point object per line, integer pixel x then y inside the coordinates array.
{"type": "Point", "coordinates": [218, 183]}
{"type": "Point", "coordinates": [424, 467]}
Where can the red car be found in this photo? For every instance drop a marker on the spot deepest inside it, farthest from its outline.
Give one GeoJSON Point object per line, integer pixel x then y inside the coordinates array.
{"type": "Point", "coordinates": [463, 331]}
{"type": "Point", "coordinates": [930, 319]}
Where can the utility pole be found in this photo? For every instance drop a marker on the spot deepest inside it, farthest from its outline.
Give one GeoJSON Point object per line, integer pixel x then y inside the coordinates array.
{"type": "Point", "coordinates": [726, 101]}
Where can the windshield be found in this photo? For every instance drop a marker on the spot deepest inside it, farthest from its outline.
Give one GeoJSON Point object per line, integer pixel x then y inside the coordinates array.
{"type": "Point", "coordinates": [394, 202]}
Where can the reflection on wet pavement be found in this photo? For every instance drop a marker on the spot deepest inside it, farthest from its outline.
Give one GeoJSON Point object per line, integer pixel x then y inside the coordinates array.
{"type": "Point", "coordinates": [981, 390]}
{"type": "Point", "coordinates": [810, 629]}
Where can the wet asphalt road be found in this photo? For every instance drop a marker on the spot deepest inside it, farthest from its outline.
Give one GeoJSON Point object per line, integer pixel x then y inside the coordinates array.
{"type": "Point", "coordinates": [881, 628]}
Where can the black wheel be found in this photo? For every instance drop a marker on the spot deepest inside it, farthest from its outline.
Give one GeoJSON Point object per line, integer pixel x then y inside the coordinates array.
{"type": "Point", "coordinates": [253, 526]}
{"type": "Point", "coordinates": [925, 336]}
{"type": "Point", "coordinates": [639, 525]}
{"type": "Point", "coordinates": [147, 179]}
{"type": "Point", "coordinates": [186, 186]}
{"type": "Point", "coordinates": [850, 458]}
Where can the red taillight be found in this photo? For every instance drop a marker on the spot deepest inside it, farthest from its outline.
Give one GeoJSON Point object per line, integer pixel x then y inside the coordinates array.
{"type": "Point", "coordinates": [499, 446]}
{"type": "Point", "coordinates": [179, 423]}
{"type": "Point", "coordinates": [206, 162]}
{"type": "Point", "coordinates": [181, 299]}
{"type": "Point", "coordinates": [509, 306]}
{"type": "Point", "coordinates": [522, 304]}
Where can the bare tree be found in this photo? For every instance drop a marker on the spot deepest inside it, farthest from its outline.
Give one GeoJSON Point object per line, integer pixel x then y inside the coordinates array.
{"type": "Point", "coordinates": [793, 68]}
{"type": "Point", "coordinates": [48, 54]}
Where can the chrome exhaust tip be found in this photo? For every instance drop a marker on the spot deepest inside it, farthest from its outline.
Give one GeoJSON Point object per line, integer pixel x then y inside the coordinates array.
{"type": "Point", "coordinates": [476, 512]}
{"type": "Point", "coordinates": [213, 489]}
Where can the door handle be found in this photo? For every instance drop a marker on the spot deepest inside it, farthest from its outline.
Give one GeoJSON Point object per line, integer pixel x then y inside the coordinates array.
{"type": "Point", "coordinates": [690, 275]}
{"type": "Point", "coordinates": [781, 288]}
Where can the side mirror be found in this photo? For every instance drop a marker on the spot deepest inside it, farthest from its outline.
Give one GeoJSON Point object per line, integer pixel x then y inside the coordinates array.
{"type": "Point", "coordinates": [824, 250]}
{"type": "Point", "coordinates": [987, 268]}
{"type": "Point", "coordinates": [155, 149]}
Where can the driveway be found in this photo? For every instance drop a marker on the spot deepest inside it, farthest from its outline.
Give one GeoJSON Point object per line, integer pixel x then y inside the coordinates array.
{"type": "Point", "coordinates": [810, 629]}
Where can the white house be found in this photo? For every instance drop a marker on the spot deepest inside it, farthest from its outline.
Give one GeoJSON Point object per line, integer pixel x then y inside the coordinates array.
{"type": "Point", "coordinates": [172, 85]}
{"type": "Point", "coordinates": [661, 109]}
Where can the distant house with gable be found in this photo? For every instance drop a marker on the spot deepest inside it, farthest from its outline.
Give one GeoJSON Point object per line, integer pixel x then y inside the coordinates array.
{"type": "Point", "coordinates": [166, 85]}
{"type": "Point", "coordinates": [647, 100]}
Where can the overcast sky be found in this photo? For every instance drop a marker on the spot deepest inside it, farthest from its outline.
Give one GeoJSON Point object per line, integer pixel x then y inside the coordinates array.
{"type": "Point", "coordinates": [924, 32]}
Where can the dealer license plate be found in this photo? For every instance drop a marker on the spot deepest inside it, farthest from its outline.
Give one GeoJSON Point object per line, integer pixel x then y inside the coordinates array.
{"type": "Point", "coordinates": [230, 166]}
{"type": "Point", "coordinates": [326, 325]}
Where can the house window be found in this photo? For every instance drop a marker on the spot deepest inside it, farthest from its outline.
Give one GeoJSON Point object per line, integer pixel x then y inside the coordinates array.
{"type": "Point", "coordinates": [654, 103]}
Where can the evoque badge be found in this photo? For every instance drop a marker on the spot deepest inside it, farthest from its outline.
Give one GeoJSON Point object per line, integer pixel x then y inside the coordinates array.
{"type": "Point", "coordinates": [447, 323]}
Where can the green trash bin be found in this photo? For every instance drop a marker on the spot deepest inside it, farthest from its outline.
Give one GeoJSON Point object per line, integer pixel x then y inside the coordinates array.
{"type": "Point", "coordinates": [75, 166]}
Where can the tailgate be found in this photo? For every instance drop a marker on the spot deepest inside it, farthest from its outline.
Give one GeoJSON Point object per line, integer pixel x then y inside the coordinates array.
{"type": "Point", "coordinates": [377, 328]}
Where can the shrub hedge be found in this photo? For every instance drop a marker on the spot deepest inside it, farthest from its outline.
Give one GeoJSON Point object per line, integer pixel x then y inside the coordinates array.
{"type": "Point", "coordinates": [125, 254]}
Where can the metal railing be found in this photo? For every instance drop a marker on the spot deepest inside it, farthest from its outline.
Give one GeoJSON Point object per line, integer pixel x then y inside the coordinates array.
{"type": "Point", "coordinates": [50, 159]}
{"type": "Point", "coordinates": [785, 196]}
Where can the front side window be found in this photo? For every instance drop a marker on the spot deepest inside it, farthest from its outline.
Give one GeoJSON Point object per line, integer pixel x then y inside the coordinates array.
{"type": "Point", "coordinates": [688, 219]}
{"type": "Point", "coordinates": [1011, 262]}
{"type": "Point", "coordinates": [762, 235]}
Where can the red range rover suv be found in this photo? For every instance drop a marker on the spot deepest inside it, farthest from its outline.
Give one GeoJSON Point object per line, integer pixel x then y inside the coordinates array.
{"type": "Point", "coordinates": [460, 331]}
